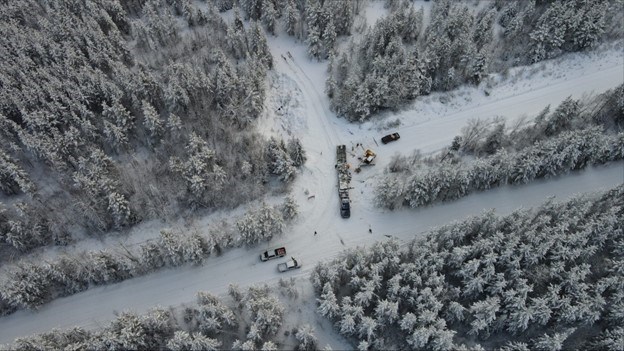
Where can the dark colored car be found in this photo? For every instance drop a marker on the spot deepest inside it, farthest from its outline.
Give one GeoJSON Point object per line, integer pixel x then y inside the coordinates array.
{"type": "Point", "coordinates": [345, 208]}
{"type": "Point", "coordinates": [390, 137]}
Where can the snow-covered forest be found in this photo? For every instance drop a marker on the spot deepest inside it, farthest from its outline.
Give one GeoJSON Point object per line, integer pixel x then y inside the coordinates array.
{"type": "Point", "coordinates": [400, 58]}
{"type": "Point", "coordinates": [547, 278]}
{"type": "Point", "coordinates": [574, 136]}
{"type": "Point", "coordinates": [150, 150]}
{"type": "Point", "coordinates": [30, 284]}
{"type": "Point", "coordinates": [113, 113]}
{"type": "Point", "coordinates": [248, 321]}
{"type": "Point", "coordinates": [543, 279]}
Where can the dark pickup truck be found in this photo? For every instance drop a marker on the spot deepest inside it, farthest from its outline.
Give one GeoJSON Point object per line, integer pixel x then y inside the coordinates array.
{"type": "Point", "coordinates": [271, 254]}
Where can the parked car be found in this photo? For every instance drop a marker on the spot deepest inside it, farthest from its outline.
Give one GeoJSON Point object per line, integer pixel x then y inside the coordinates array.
{"type": "Point", "coordinates": [274, 253]}
{"type": "Point", "coordinates": [288, 265]}
{"type": "Point", "coordinates": [345, 208]}
{"type": "Point", "coordinates": [390, 137]}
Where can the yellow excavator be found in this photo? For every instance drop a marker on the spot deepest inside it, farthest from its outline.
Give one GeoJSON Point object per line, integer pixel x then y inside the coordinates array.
{"type": "Point", "coordinates": [366, 160]}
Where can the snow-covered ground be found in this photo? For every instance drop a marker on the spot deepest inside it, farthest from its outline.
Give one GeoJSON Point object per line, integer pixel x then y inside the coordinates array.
{"type": "Point", "coordinates": [297, 106]}
{"type": "Point", "coordinates": [94, 307]}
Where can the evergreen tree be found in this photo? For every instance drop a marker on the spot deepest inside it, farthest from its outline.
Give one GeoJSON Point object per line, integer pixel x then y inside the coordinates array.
{"type": "Point", "coordinates": [307, 339]}
{"type": "Point", "coordinates": [182, 340]}
{"type": "Point", "coordinates": [151, 120]}
{"type": "Point", "coordinates": [269, 16]}
{"type": "Point", "coordinates": [552, 342]}
{"type": "Point", "coordinates": [201, 170]}
{"type": "Point", "coordinates": [291, 17]}
{"type": "Point", "coordinates": [328, 304]}
{"type": "Point", "coordinates": [296, 152]}
{"type": "Point", "coordinates": [258, 45]}
{"type": "Point", "coordinates": [329, 38]}
{"type": "Point", "coordinates": [314, 42]}
{"type": "Point", "coordinates": [290, 209]}
{"type": "Point", "coordinates": [119, 208]}
{"type": "Point", "coordinates": [13, 178]}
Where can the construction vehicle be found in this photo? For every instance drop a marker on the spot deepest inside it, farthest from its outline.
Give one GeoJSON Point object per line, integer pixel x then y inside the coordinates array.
{"type": "Point", "coordinates": [366, 160]}
{"type": "Point", "coordinates": [344, 179]}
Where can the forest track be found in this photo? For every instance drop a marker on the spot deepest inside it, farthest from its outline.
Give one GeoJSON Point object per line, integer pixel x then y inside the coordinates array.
{"type": "Point", "coordinates": [321, 102]}
{"type": "Point", "coordinates": [327, 205]}
{"type": "Point", "coordinates": [308, 87]}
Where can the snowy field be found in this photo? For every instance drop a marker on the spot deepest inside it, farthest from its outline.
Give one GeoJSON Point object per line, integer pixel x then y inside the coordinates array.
{"type": "Point", "coordinates": [297, 106]}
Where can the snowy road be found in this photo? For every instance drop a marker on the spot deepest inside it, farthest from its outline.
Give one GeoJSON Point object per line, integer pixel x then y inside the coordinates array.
{"type": "Point", "coordinates": [437, 133]}
{"type": "Point", "coordinates": [320, 134]}
{"type": "Point", "coordinates": [172, 287]}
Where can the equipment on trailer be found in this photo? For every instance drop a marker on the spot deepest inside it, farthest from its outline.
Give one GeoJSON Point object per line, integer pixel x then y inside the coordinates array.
{"type": "Point", "coordinates": [344, 178]}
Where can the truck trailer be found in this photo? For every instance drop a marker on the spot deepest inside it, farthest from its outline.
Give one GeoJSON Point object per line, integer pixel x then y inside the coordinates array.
{"type": "Point", "coordinates": [344, 180]}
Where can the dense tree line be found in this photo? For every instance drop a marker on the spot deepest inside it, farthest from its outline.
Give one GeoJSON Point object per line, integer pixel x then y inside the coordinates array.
{"type": "Point", "coordinates": [486, 155]}
{"type": "Point", "coordinates": [28, 284]}
{"type": "Point", "coordinates": [549, 28]}
{"type": "Point", "coordinates": [318, 22]}
{"type": "Point", "coordinates": [482, 137]}
{"type": "Point", "coordinates": [399, 58]}
{"type": "Point", "coordinates": [547, 278]}
{"type": "Point", "coordinates": [253, 315]}
{"type": "Point", "coordinates": [97, 96]}
{"type": "Point", "coordinates": [447, 181]}
{"type": "Point", "coordinates": [382, 70]}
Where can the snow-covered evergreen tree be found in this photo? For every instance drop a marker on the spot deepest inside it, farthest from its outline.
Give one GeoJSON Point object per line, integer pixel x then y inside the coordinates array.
{"type": "Point", "coordinates": [269, 346]}
{"type": "Point", "coordinates": [13, 178]}
{"type": "Point", "coordinates": [291, 17]}
{"type": "Point", "coordinates": [328, 304]}
{"type": "Point", "coordinates": [269, 16]}
{"type": "Point", "coordinates": [201, 170]}
{"type": "Point", "coordinates": [552, 342]}
{"type": "Point", "coordinates": [306, 338]}
{"type": "Point", "coordinates": [296, 152]}
{"type": "Point", "coordinates": [151, 120]}
{"type": "Point", "coordinates": [290, 209]}
{"type": "Point", "coordinates": [265, 310]}
{"type": "Point", "coordinates": [314, 42]}
{"type": "Point", "coordinates": [280, 160]}
{"type": "Point", "coordinates": [182, 340]}
{"type": "Point", "coordinates": [119, 209]}
{"type": "Point", "coordinates": [260, 224]}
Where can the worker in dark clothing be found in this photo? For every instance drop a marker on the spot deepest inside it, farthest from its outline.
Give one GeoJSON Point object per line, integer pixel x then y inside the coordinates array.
{"type": "Point", "coordinates": [315, 232]}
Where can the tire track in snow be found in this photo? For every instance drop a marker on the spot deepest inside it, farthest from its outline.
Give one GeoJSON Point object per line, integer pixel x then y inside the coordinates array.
{"type": "Point", "coordinates": [328, 126]}
{"type": "Point", "coordinates": [320, 218]}
{"type": "Point", "coordinates": [325, 120]}
{"type": "Point", "coordinates": [438, 131]}
{"type": "Point", "coordinates": [320, 100]}
{"type": "Point", "coordinates": [175, 286]}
